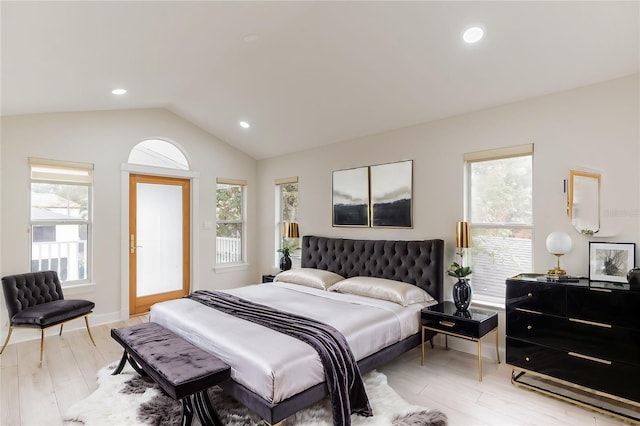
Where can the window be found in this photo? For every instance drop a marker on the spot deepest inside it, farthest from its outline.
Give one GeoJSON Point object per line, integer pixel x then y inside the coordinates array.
{"type": "Point", "coordinates": [61, 194]}
{"type": "Point", "coordinates": [230, 221]}
{"type": "Point", "coordinates": [158, 153]}
{"type": "Point", "coordinates": [287, 211]}
{"type": "Point", "coordinates": [499, 209]}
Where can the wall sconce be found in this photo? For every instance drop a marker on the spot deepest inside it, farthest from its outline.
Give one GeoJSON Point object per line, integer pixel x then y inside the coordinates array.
{"type": "Point", "coordinates": [558, 244]}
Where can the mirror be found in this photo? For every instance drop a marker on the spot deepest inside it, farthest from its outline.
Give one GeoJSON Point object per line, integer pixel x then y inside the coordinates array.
{"type": "Point", "coordinates": [584, 201]}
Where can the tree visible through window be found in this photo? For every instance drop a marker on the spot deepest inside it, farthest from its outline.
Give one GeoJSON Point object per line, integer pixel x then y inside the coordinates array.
{"type": "Point", "coordinates": [500, 201]}
{"type": "Point", "coordinates": [61, 218]}
{"type": "Point", "coordinates": [230, 222]}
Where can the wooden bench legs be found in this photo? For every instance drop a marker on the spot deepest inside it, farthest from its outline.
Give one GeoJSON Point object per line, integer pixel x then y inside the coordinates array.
{"type": "Point", "coordinates": [197, 403]}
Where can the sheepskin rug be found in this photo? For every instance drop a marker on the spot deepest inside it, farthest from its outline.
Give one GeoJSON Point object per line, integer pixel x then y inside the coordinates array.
{"type": "Point", "coordinates": [128, 399]}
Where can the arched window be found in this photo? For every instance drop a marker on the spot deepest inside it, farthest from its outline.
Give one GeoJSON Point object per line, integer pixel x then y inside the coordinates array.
{"type": "Point", "coordinates": [158, 153]}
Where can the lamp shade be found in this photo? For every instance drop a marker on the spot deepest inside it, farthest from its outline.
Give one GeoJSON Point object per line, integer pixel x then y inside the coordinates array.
{"type": "Point", "coordinates": [463, 235]}
{"type": "Point", "coordinates": [559, 243]}
{"type": "Point", "coordinates": [290, 230]}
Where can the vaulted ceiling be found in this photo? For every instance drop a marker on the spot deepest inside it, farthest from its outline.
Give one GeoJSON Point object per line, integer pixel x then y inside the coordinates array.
{"type": "Point", "coordinates": [305, 74]}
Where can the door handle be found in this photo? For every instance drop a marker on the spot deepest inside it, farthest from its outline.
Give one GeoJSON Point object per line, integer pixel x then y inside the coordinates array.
{"type": "Point", "coordinates": [132, 245]}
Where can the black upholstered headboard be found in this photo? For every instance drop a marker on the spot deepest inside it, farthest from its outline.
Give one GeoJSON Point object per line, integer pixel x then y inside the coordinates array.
{"type": "Point", "coordinates": [414, 262]}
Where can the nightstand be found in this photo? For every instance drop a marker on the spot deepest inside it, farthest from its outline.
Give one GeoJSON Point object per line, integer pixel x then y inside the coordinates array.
{"type": "Point", "coordinates": [268, 278]}
{"type": "Point", "coordinates": [471, 325]}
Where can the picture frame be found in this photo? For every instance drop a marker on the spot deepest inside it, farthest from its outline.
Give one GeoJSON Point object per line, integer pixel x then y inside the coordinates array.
{"type": "Point", "coordinates": [392, 194]}
{"type": "Point", "coordinates": [610, 262]}
{"type": "Point", "coordinates": [350, 197]}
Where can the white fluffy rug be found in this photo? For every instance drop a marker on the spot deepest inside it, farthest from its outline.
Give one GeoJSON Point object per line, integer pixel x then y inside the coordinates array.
{"type": "Point", "coordinates": [127, 399]}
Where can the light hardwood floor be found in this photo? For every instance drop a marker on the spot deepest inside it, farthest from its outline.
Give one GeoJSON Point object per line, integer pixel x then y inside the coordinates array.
{"type": "Point", "coordinates": [448, 382]}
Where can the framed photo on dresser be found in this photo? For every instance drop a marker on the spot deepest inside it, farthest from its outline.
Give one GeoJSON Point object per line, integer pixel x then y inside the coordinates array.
{"type": "Point", "coordinates": [610, 261]}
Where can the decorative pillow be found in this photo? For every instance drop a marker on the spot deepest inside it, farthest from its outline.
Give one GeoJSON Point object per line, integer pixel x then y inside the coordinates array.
{"type": "Point", "coordinates": [381, 288]}
{"type": "Point", "coordinates": [316, 278]}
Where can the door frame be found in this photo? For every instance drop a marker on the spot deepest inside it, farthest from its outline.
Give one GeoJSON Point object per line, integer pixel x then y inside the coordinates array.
{"type": "Point", "coordinates": [127, 169]}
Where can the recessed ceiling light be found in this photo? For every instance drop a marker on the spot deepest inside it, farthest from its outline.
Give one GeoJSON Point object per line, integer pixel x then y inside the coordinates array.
{"type": "Point", "coordinates": [119, 91]}
{"type": "Point", "coordinates": [473, 35]}
{"type": "Point", "coordinates": [244, 125]}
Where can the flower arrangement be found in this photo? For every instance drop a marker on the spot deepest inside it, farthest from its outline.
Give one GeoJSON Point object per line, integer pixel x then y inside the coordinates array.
{"type": "Point", "coordinates": [458, 271]}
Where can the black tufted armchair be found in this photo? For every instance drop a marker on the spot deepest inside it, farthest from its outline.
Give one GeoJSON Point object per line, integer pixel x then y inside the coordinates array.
{"type": "Point", "coordinates": [35, 300]}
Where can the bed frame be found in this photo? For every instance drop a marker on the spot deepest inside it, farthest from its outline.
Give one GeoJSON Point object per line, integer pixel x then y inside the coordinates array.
{"type": "Point", "coordinates": [415, 262]}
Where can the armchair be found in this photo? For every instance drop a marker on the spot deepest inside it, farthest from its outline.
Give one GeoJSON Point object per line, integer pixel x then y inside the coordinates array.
{"type": "Point", "coordinates": [35, 300]}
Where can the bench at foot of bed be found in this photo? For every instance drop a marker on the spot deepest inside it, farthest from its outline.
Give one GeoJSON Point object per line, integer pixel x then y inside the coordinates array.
{"type": "Point", "coordinates": [182, 370]}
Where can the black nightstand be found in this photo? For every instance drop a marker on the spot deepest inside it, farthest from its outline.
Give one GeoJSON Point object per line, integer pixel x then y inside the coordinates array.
{"type": "Point", "coordinates": [268, 278]}
{"type": "Point", "coordinates": [470, 325]}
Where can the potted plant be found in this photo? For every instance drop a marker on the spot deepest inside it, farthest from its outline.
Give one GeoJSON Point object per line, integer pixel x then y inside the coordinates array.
{"type": "Point", "coordinates": [285, 260]}
{"type": "Point", "coordinates": [462, 289]}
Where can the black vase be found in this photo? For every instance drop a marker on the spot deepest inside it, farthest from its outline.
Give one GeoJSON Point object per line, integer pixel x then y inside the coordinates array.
{"type": "Point", "coordinates": [633, 276]}
{"type": "Point", "coordinates": [285, 263]}
{"type": "Point", "coordinates": [462, 294]}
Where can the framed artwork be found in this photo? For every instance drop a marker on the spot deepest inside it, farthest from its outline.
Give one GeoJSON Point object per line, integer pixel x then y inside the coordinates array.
{"type": "Point", "coordinates": [391, 194]}
{"type": "Point", "coordinates": [350, 197]}
{"type": "Point", "coordinates": [610, 261]}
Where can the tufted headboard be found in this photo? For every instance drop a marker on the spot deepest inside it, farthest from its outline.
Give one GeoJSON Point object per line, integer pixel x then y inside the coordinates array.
{"type": "Point", "coordinates": [414, 262]}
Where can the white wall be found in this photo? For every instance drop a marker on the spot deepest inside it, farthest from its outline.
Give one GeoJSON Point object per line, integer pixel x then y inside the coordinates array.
{"type": "Point", "coordinates": [105, 139]}
{"type": "Point", "coordinates": [594, 127]}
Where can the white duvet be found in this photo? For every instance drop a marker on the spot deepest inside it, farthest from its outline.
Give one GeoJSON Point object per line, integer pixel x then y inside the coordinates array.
{"type": "Point", "coordinates": [276, 366]}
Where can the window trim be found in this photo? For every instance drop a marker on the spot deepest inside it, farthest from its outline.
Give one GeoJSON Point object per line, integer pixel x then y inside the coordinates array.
{"type": "Point", "coordinates": [240, 265]}
{"type": "Point", "coordinates": [524, 150]}
{"type": "Point", "coordinates": [82, 179]}
{"type": "Point", "coordinates": [279, 219]}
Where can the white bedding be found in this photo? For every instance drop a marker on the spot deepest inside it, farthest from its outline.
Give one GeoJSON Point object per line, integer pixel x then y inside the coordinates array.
{"type": "Point", "coordinates": [274, 365]}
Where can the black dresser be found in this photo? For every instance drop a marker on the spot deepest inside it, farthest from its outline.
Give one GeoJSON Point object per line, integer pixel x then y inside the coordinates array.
{"type": "Point", "coordinates": [585, 333]}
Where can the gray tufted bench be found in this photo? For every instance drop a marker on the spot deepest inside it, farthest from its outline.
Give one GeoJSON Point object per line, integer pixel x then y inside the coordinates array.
{"type": "Point", "coordinates": [182, 370]}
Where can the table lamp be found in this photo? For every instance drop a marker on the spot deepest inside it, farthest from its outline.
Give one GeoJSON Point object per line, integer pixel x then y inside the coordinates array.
{"type": "Point", "coordinates": [558, 243]}
{"type": "Point", "coordinates": [463, 237]}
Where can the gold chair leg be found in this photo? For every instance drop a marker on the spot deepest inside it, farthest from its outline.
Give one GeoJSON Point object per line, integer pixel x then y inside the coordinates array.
{"type": "Point", "coordinates": [41, 345]}
{"type": "Point", "coordinates": [479, 360]}
{"type": "Point", "coordinates": [7, 340]}
{"type": "Point", "coordinates": [86, 321]}
{"type": "Point", "coordinates": [61, 325]}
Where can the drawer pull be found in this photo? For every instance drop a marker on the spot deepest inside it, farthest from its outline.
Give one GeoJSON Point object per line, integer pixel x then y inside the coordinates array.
{"type": "Point", "coordinates": [602, 290]}
{"type": "Point", "coordinates": [529, 295]}
{"type": "Point", "coordinates": [597, 324]}
{"type": "Point", "coordinates": [447, 323]}
{"type": "Point", "coordinates": [528, 311]}
{"type": "Point", "coordinates": [529, 327]}
{"type": "Point", "coordinates": [527, 359]}
{"type": "Point", "coordinates": [590, 358]}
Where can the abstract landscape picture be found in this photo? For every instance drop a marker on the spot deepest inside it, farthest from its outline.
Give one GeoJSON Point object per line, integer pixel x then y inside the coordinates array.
{"type": "Point", "coordinates": [351, 197]}
{"type": "Point", "coordinates": [391, 190]}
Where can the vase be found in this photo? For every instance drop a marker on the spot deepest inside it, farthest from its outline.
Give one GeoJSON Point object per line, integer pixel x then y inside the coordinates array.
{"type": "Point", "coordinates": [462, 294]}
{"type": "Point", "coordinates": [285, 263]}
{"type": "Point", "coordinates": [633, 277]}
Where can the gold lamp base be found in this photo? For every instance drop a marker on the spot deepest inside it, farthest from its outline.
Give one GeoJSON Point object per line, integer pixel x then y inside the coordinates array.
{"type": "Point", "coordinates": [557, 271]}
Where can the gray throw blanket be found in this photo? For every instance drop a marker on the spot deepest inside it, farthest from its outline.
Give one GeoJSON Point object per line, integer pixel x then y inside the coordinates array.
{"type": "Point", "coordinates": [346, 390]}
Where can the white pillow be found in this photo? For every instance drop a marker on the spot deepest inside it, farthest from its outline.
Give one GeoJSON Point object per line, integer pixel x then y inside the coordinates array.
{"type": "Point", "coordinates": [380, 288]}
{"type": "Point", "coordinates": [310, 277]}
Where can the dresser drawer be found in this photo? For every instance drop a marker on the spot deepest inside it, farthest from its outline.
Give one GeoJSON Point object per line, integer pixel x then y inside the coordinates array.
{"type": "Point", "coordinates": [616, 307]}
{"type": "Point", "coordinates": [548, 298]}
{"type": "Point", "coordinates": [595, 339]}
{"type": "Point", "coordinates": [600, 374]}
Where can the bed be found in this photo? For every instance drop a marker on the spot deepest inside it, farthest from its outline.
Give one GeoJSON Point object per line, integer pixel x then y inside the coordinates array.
{"type": "Point", "coordinates": [276, 383]}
